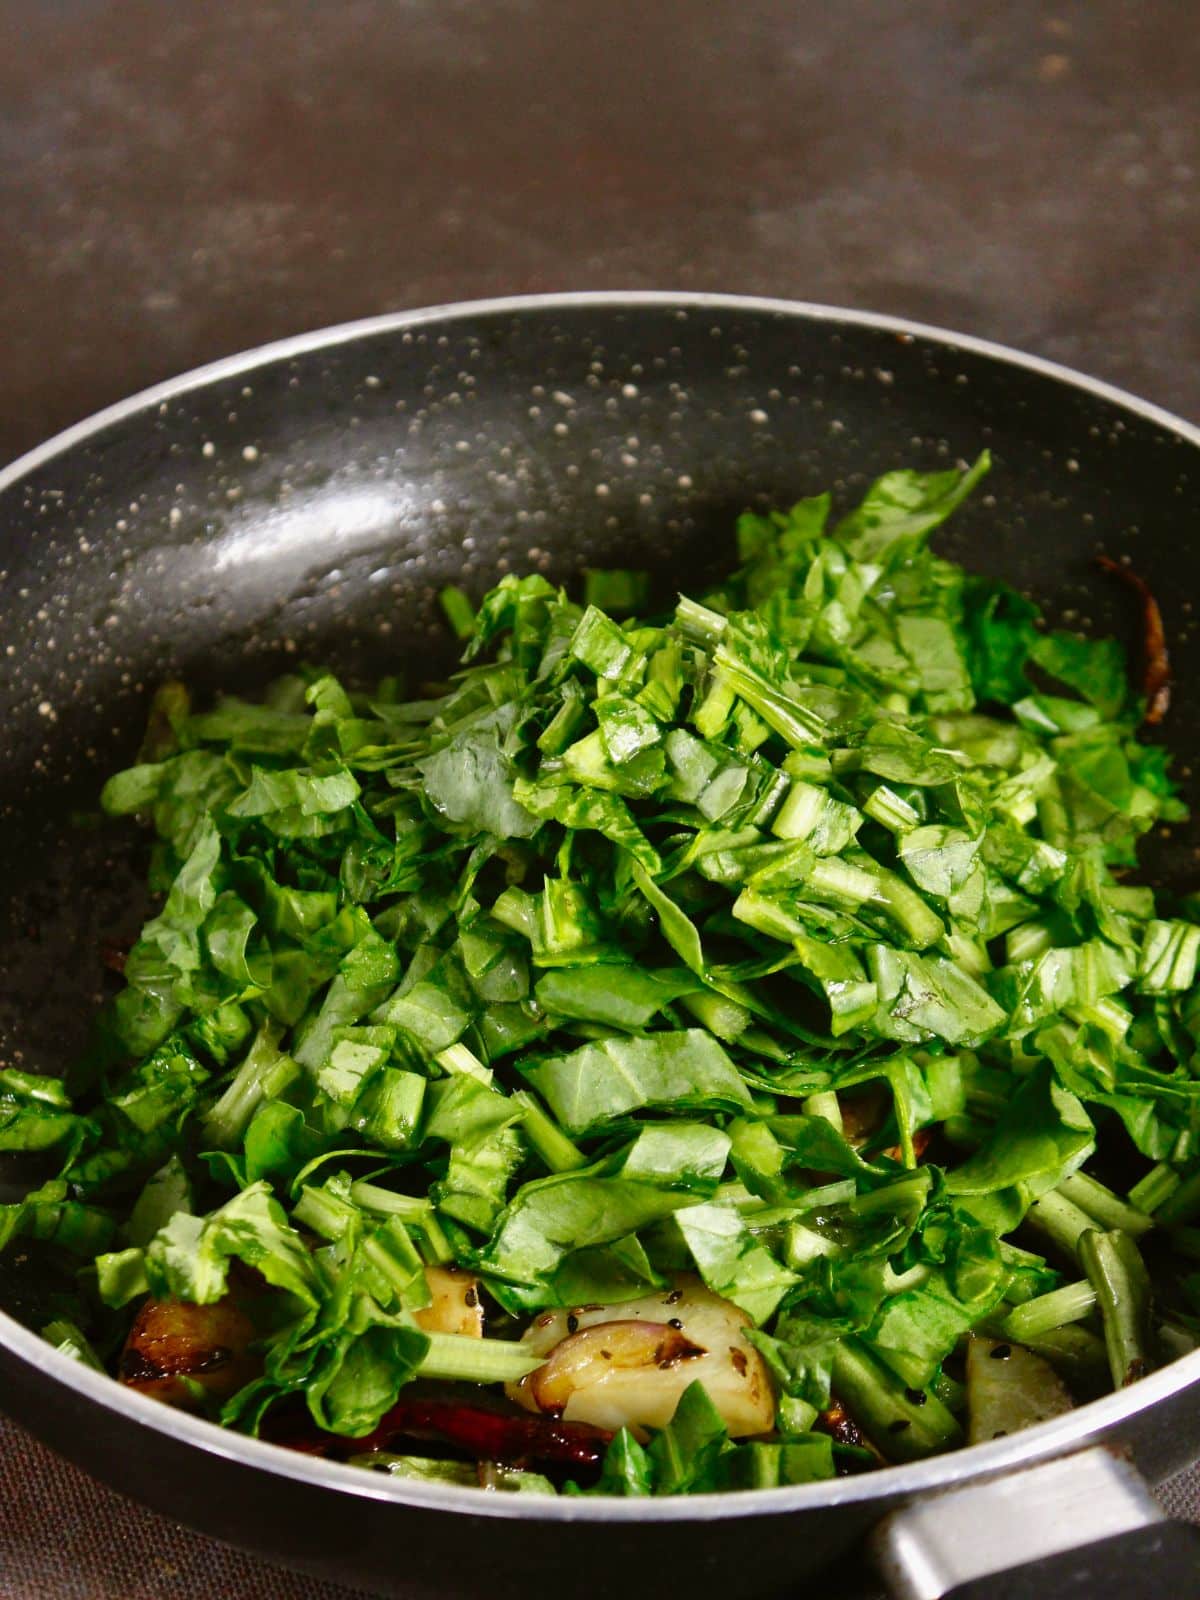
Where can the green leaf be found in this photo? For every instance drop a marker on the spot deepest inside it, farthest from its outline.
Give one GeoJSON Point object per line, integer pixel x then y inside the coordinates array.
{"type": "Point", "coordinates": [685, 1453]}
{"type": "Point", "coordinates": [469, 785]}
{"type": "Point", "coordinates": [1000, 633]}
{"type": "Point", "coordinates": [603, 1081]}
{"type": "Point", "coordinates": [282, 797]}
{"type": "Point", "coordinates": [600, 644]}
{"type": "Point", "coordinates": [167, 1191]}
{"type": "Point", "coordinates": [920, 996]}
{"type": "Point", "coordinates": [624, 997]}
{"type": "Point", "coordinates": [731, 1261]}
{"type": "Point", "coordinates": [626, 728]}
{"type": "Point", "coordinates": [688, 1155]}
{"type": "Point", "coordinates": [677, 928]}
{"type": "Point", "coordinates": [358, 1376]}
{"type": "Point", "coordinates": [1042, 1135]}
{"type": "Point", "coordinates": [805, 1458]}
{"type": "Point", "coordinates": [364, 978]}
{"type": "Point", "coordinates": [901, 509]}
{"type": "Point", "coordinates": [627, 1469]}
{"type": "Point", "coordinates": [279, 1142]}
{"type": "Point", "coordinates": [35, 1112]}
{"type": "Point", "coordinates": [589, 809]}
{"type": "Point", "coordinates": [1095, 668]}
{"type": "Point", "coordinates": [189, 1257]}
{"type": "Point", "coordinates": [935, 648]}
{"type": "Point", "coordinates": [800, 1356]}
{"type": "Point", "coordinates": [553, 1216]}
{"type": "Point", "coordinates": [260, 730]}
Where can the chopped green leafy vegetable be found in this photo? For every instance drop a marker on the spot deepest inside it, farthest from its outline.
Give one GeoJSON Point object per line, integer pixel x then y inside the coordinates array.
{"type": "Point", "coordinates": [771, 959]}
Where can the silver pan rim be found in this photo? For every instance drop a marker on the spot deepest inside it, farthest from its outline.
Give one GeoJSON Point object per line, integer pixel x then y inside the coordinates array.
{"type": "Point", "coordinates": [328, 338]}
{"type": "Point", "coordinates": [1099, 1418]}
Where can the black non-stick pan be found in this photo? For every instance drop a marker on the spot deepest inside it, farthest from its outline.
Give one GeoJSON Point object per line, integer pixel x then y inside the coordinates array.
{"type": "Point", "coordinates": [308, 500]}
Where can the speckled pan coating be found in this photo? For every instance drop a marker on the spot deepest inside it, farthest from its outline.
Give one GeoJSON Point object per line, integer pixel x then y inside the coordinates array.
{"type": "Point", "coordinates": [307, 502]}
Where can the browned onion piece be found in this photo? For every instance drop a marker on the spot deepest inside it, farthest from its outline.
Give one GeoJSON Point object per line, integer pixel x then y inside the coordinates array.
{"type": "Point", "coordinates": [176, 1349]}
{"type": "Point", "coordinates": [592, 1353]}
{"type": "Point", "coordinates": [612, 1395]}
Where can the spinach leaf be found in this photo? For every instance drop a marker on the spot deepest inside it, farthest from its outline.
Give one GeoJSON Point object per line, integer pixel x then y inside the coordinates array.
{"type": "Point", "coordinates": [605, 1080]}
{"type": "Point", "coordinates": [804, 908]}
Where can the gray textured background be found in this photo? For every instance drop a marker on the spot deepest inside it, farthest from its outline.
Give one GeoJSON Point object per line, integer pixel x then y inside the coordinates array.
{"type": "Point", "coordinates": [181, 179]}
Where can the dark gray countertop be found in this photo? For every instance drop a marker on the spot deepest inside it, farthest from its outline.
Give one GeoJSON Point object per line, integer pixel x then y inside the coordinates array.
{"type": "Point", "coordinates": [180, 179]}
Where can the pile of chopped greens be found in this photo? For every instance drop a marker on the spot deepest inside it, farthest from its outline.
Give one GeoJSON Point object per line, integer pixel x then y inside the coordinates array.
{"type": "Point", "coordinates": [787, 940]}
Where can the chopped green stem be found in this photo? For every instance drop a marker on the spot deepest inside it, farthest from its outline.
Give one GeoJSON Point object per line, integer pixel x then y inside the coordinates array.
{"type": "Point", "coordinates": [796, 723]}
{"type": "Point", "coordinates": [417, 1213]}
{"type": "Point", "coordinates": [1075, 1352]}
{"type": "Point", "coordinates": [322, 1212]}
{"type": "Point", "coordinates": [898, 1198]}
{"type": "Point", "coordinates": [1103, 1206]}
{"type": "Point", "coordinates": [437, 1249]}
{"type": "Point", "coordinates": [1152, 1191]}
{"type": "Point", "coordinates": [1072, 1303]}
{"type": "Point", "coordinates": [1115, 1268]}
{"type": "Point", "coordinates": [719, 1015]}
{"type": "Point", "coordinates": [826, 1195]}
{"type": "Point", "coordinates": [1181, 1205]}
{"type": "Point", "coordinates": [67, 1338]}
{"type": "Point", "coordinates": [457, 1059]}
{"type": "Point", "coordinates": [408, 1207]}
{"type": "Point", "coordinates": [949, 1391]}
{"type": "Point", "coordinates": [882, 1406]}
{"type": "Point", "coordinates": [546, 1137]}
{"type": "Point", "coordinates": [825, 1103]}
{"type": "Point", "coordinates": [795, 1415]}
{"type": "Point", "coordinates": [699, 623]}
{"type": "Point", "coordinates": [264, 1074]}
{"type": "Point", "coordinates": [459, 612]}
{"type": "Point", "coordinates": [458, 1355]}
{"type": "Point", "coordinates": [1061, 1221]}
{"type": "Point", "coordinates": [889, 809]}
{"type": "Point", "coordinates": [805, 1245]}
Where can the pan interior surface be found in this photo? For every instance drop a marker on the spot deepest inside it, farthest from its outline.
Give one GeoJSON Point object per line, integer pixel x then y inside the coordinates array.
{"type": "Point", "coordinates": [308, 505]}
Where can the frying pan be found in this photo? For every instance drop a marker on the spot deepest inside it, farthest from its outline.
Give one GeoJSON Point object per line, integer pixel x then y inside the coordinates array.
{"type": "Point", "coordinates": [308, 500]}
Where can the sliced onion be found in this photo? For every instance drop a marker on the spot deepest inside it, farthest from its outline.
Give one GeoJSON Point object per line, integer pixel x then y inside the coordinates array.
{"type": "Point", "coordinates": [587, 1357]}
{"type": "Point", "coordinates": [632, 1387]}
{"type": "Point", "coordinates": [176, 1349]}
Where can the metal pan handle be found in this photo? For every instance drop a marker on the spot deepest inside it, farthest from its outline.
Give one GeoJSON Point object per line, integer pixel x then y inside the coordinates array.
{"type": "Point", "coordinates": [1082, 1525]}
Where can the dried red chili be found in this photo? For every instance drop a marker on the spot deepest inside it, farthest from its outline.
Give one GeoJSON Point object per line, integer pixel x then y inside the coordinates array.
{"type": "Point", "coordinates": [1156, 666]}
{"type": "Point", "coordinates": [481, 1432]}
